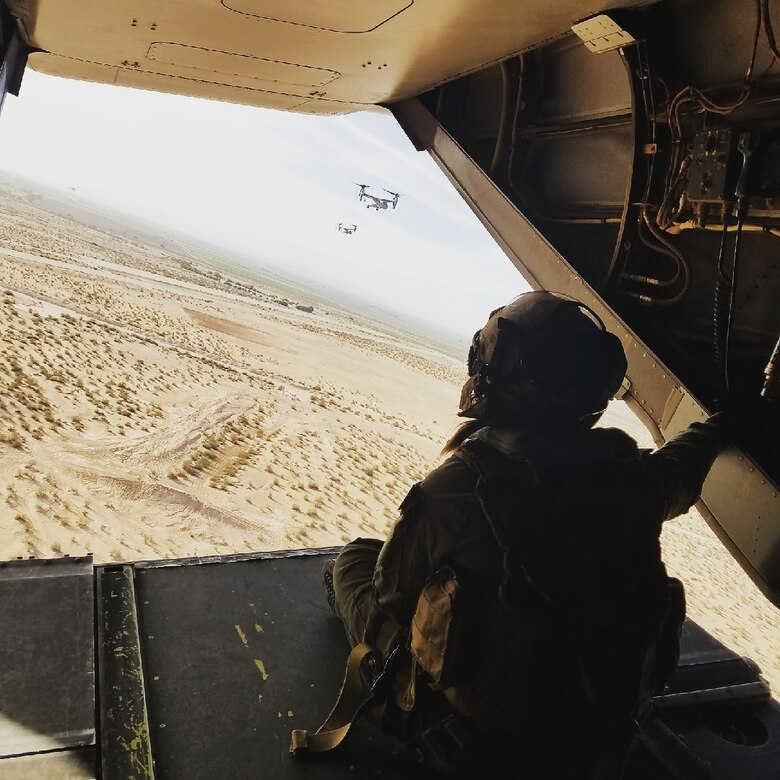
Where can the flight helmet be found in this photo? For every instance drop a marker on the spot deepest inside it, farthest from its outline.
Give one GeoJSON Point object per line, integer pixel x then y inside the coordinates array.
{"type": "Point", "coordinates": [542, 359]}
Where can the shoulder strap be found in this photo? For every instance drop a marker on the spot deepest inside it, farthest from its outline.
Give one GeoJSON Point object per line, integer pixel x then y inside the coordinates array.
{"type": "Point", "coordinates": [496, 521]}
{"type": "Point", "coordinates": [351, 703]}
{"type": "Point", "coordinates": [352, 700]}
{"type": "Point", "coordinates": [495, 515]}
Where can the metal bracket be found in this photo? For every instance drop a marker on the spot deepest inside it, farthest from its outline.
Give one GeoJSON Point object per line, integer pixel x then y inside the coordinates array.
{"type": "Point", "coordinates": [601, 34]}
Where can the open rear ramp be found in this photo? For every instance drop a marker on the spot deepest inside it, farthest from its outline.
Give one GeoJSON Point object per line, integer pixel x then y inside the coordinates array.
{"type": "Point", "coordinates": [47, 672]}
{"type": "Point", "coordinates": [199, 669]}
{"type": "Point", "coordinates": [238, 652]}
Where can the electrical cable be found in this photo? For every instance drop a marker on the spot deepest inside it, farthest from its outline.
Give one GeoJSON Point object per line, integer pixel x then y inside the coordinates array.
{"type": "Point", "coordinates": [691, 94]}
{"type": "Point", "coordinates": [656, 248]}
{"type": "Point", "coordinates": [648, 99]}
{"type": "Point", "coordinates": [713, 107]}
{"type": "Point", "coordinates": [501, 135]}
{"type": "Point", "coordinates": [725, 288]}
{"type": "Point", "coordinates": [721, 317]}
{"type": "Point", "coordinates": [684, 268]}
{"type": "Point", "coordinates": [666, 213]}
{"type": "Point", "coordinates": [683, 97]}
{"type": "Point", "coordinates": [664, 247]}
{"type": "Point", "coordinates": [513, 140]}
{"type": "Point", "coordinates": [732, 299]}
{"type": "Point", "coordinates": [722, 248]}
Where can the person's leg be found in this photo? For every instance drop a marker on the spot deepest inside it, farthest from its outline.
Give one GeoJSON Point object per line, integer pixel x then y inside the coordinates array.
{"type": "Point", "coordinates": [353, 575]}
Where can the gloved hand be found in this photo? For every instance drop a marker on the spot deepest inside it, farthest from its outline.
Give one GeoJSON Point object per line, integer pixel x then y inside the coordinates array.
{"type": "Point", "coordinates": [733, 424]}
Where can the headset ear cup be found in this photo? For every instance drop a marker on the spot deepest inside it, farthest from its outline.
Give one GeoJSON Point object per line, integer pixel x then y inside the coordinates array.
{"type": "Point", "coordinates": [603, 370]}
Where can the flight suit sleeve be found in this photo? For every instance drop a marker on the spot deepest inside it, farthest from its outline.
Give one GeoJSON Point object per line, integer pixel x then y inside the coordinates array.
{"type": "Point", "coordinates": [402, 566]}
{"type": "Point", "coordinates": [676, 472]}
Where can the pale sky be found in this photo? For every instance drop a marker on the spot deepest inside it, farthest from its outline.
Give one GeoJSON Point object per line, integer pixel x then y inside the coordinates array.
{"type": "Point", "coordinates": [271, 185]}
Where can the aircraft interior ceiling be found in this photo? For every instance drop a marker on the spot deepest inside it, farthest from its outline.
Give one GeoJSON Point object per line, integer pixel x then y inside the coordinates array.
{"type": "Point", "coordinates": [329, 58]}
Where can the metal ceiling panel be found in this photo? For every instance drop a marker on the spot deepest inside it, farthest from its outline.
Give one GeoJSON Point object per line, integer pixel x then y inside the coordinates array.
{"type": "Point", "coordinates": [384, 51]}
{"type": "Point", "coordinates": [163, 82]}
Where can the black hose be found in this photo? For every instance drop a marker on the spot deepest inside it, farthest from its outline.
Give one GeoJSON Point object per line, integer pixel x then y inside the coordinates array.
{"type": "Point", "coordinates": [683, 270]}
{"type": "Point", "coordinates": [732, 296]}
{"type": "Point", "coordinates": [656, 248]}
{"type": "Point", "coordinates": [721, 319]}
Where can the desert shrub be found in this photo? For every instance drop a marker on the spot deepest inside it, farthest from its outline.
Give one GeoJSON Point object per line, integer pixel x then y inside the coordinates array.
{"type": "Point", "coordinates": [12, 438]}
{"type": "Point", "coordinates": [23, 520]}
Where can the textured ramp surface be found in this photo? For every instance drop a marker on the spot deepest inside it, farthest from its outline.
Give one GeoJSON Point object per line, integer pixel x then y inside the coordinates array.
{"type": "Point", "coordinates": [47, 675]}
{"type": "Point", "coordinates": [238, 653]}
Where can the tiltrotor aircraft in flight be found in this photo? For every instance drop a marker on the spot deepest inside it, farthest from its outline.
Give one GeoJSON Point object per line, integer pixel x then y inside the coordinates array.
{"type": "Point", "coordinates": [374, 201]}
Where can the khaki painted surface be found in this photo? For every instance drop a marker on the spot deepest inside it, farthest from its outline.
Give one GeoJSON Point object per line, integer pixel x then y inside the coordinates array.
{"type": "Point", "coordinates": [333, 57]}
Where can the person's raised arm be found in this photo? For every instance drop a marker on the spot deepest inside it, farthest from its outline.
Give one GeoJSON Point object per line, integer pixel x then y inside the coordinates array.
{"type": "Point", "coordinates": [677, 471]}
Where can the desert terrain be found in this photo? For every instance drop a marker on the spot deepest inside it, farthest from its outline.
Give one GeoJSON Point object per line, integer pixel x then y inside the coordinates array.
{"type": "Point", "coordinates": [153, 405]}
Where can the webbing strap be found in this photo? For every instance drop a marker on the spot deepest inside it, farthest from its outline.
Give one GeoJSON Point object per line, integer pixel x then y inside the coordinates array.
{"type": "Point", "coordinates": [348, 707]}
{"type": "Point", "coordinates": [497, 523]}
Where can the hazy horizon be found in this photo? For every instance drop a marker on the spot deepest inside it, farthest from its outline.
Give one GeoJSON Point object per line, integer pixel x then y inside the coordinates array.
{"type": "Point", "coordinates": [146, 230]}
{"type": "Point", "coordinates": [269, 186]}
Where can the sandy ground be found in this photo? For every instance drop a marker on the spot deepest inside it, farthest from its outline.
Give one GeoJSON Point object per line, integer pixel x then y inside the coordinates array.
{"type": "Point", "coordinates": [152, 406]}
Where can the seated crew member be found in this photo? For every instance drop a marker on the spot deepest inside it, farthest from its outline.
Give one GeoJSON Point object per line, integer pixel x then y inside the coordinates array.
{"type": "Point", "coordinates": [566, 621]}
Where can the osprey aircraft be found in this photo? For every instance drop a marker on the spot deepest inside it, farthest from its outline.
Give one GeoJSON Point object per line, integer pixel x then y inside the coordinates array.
{"type": "Point", "coordinates": [375, 202]}
{"type": "Point", "coordinates": [623, 152]}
